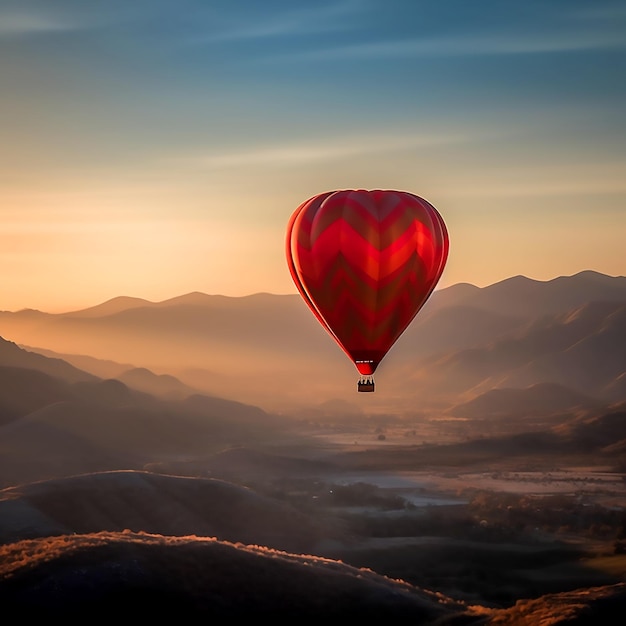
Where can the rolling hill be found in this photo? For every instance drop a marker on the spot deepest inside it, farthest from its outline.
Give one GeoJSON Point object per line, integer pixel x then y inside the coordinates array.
{"type": "Point", "coordinates": [154, 503]}
{"type": "Point", "coordinates": [188, 578]}
{"type": "Point", "coordinates": [147, 576]}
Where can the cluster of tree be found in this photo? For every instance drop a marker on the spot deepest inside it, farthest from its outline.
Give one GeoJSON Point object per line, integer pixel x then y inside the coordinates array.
{"type": "Point", "coordinates": [487, 516]}
{"type": "Point", "coordinates": [564, 514]}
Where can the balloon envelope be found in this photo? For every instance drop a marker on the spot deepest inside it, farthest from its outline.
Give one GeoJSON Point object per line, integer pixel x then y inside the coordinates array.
{"type": "Point", "coordinates": [365, 262]}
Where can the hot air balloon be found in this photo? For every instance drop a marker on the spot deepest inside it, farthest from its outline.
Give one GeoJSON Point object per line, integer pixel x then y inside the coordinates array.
{"type": "Point", "coordinates": [365, 262]}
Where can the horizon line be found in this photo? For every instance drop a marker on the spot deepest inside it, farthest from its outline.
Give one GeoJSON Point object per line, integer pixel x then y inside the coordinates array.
{"type": "Point", "coordinates": [203, 294]}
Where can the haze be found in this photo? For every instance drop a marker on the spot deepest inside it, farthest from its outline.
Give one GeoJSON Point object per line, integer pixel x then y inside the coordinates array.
{"type": "Point", "coordinates": [158, 148]}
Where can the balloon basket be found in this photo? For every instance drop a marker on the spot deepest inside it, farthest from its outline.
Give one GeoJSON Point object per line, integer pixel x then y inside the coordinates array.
{"type": "Point", "coordinates": [365, 384]}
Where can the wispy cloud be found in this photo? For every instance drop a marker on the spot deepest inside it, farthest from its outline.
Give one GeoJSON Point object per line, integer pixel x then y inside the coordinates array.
{"type": "Point", "coordinates": [468, 45]}
{"type": "Point", "coordinates": [299, 153]}
{"type": "Point", "coordinates": [313, 19]}
{"type": "Point", "coordinates": [18, 23]}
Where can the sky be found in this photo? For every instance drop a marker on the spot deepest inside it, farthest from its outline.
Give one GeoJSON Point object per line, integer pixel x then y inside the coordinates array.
{"type": "Point", "coordinates": [157, 147]}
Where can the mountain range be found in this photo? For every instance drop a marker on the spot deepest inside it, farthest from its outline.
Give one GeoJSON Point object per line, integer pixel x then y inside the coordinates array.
{"type": "Point", "coordinates": [270, 351]}
{"type": "Point", "coordinates": [467, 357]}
{"type": "Point", "coordinates": [56, 420]}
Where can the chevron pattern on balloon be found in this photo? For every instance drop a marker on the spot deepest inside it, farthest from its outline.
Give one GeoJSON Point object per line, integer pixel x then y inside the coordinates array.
{"type": "Point", "coordinates": [365, 262]}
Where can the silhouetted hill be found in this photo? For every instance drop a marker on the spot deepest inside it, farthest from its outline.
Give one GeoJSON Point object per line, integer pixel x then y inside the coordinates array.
{"type": "Point", "coordinates": [97, 367]}
{"type": "Point", "coordinates": [30, 381]}
{"type": "Point", "coordinates": [140, 378]}
{"type": "Point", "coordinates": [51, 427]}
{"type": "Point", "coordinates": [42, 446]}
{"type": "Point", "coordinates": [162, 385]}
{"type": "Point", "coordinates": [14, 356]}
{"type": "Point", "coordinates": [150, 576]}
{"type": "Point", "coordinates": [124, 430]}
{"type": "Point", "coordinates": [113, 306]}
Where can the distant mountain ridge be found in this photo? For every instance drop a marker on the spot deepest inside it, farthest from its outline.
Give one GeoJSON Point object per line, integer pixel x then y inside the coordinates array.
{"type": "Point", "coordinates": [515, 295]}
{"type": "Point", "coordinates": [527, 297]}
{"type": "Point", "coordinates": [270, 351]}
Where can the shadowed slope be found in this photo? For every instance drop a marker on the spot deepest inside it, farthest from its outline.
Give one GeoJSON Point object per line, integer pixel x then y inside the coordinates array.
{"type": "Point", "coordinates": [581, 349]}
{"type": "Point", "coordinates": [542, 399]}
{"type": "Point", "coordinates": [24, 390]}
{"type": "Point", "coordinates": [155, 503]}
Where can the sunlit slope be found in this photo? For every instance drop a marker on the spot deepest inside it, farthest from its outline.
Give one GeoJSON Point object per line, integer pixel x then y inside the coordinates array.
{"type": "Point", "coordinates": [148, 576]}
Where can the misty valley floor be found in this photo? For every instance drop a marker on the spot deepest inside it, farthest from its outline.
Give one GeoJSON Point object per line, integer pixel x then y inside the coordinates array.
{"type": "Point", "coordinates": [491, 531]}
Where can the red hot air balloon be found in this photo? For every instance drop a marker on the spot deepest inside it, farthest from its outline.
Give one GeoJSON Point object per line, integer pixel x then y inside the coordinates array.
{"type": "Point", "coordinates": [366, 262]}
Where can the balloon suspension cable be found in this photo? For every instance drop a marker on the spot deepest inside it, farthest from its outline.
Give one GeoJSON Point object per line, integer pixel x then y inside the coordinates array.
{"type": "Point", "coordinates": [366, 383]}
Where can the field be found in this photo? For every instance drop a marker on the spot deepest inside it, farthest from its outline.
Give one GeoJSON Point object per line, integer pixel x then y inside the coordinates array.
{"type": "Point", "coordinates": [481, 531]}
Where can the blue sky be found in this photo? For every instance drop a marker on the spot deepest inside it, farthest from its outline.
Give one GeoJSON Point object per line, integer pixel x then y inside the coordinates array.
{"type": "Point", "coordinates": [152, 148]}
